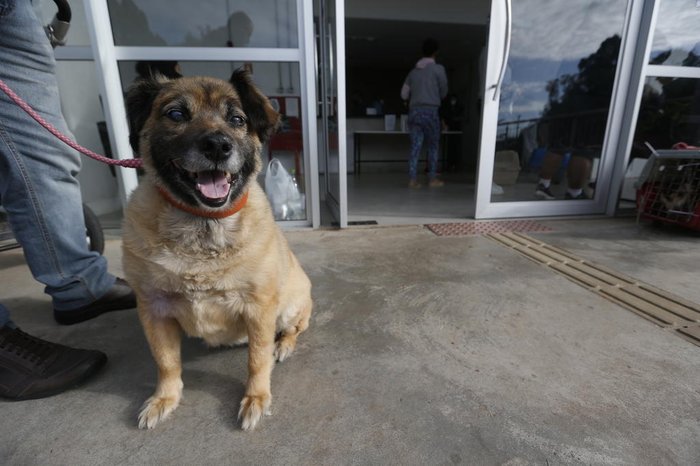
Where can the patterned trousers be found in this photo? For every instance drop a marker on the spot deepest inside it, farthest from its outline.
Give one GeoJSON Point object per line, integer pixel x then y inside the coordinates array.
{"type": "Point", "coordinates": [424, 127]}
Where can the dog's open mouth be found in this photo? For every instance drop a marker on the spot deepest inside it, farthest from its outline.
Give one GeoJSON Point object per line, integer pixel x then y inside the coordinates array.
{"type": "Point", "coordinates": [211, 186]}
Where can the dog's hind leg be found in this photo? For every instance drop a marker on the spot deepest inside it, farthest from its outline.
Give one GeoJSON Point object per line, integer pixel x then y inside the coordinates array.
{"type": "Point", "coordinates": [287, 342]}
{"type": "Point", "coordinates": [163, 335]}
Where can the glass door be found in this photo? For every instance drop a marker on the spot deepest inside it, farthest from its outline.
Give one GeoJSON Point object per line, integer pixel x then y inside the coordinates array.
{"type": "Point", "coordinates": [552, 108]}
{"type": "Point", "coordinates": [331, 64]}
{"type": "Point", "coordinates": [213, 38]}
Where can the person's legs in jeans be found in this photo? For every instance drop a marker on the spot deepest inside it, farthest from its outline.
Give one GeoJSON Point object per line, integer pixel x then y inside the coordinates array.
{"type": "Point", "coordinates": [38, 185]}
{"type": "Point", "coordinates": [41, 195]}
{"type": "Point", "coordinates": [415, 128]}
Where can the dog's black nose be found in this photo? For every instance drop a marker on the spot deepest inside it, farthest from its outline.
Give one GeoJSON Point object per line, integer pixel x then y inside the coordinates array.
{"type": "Point", "coordinates": [216, 147]}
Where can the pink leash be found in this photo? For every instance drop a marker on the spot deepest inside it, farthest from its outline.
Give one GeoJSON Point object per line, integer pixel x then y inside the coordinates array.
{"type": "Point", "coordinates": [128, 163]}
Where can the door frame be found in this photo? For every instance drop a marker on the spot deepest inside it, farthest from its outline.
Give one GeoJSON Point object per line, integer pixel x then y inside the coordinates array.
{"type": "Point", "coordinates": [331, 55]}
{"type": "Point", "coordinates": [497, 56]}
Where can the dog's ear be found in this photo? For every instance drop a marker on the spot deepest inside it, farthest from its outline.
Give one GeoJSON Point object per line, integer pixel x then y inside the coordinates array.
{"type": "Point", "coordinates": [262, 118]}
{"type": "Point", "coordinates": [139, 100]}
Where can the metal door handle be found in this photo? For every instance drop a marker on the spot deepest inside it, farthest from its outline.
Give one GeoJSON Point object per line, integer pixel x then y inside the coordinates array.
{"type": "Point", "coordinates": [506, 51]}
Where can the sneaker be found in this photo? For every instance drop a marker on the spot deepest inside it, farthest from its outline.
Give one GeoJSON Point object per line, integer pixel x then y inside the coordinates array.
{"type": "Point", "coordinates": [33, 368]}
{"type": "Point", "coordinates": [436, 183]}
{"type": "Point", "coordinates": [543, 192]}
{"type": "Point", "coordinates": [117, 298]}
{"type": "Point", "coordinates": [581, 196]}
{"type": "Point", "coordinates": [414, 184]}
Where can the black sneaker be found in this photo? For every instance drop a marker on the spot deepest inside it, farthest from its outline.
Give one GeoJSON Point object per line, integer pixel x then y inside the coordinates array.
{"type": "Point", "coordinates": [543, 192]}
{"type": "Point", "coordinates": [581, 196]}
{"type": "Point", "coordinates": [33, 368]}
{"type": "Point", "coordinates": [117, 298]}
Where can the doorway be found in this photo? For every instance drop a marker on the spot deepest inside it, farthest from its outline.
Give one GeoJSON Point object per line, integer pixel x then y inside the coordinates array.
{"type": "Point", "coordinates": [553, 95]}
{"type": "Point", "coordinates": [383, 43]}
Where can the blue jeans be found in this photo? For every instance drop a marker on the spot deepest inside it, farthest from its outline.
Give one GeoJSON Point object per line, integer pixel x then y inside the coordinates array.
{"type": "Point", "coordinates": [424, 127]}
{"type": "Point", "coordinates": [38, 184]}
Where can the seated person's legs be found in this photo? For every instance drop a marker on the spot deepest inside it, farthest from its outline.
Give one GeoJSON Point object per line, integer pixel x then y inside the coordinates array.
{"type": "Point", "coordinates": [550, 165]}
{"type": "Point", "coordinates": [578, 173]}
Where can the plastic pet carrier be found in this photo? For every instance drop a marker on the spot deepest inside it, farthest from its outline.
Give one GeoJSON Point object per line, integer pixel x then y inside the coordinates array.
{"type": "Point", "coordinates": [668, 189]}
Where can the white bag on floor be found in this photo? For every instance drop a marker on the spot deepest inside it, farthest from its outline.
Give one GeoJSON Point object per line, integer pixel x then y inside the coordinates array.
{"type": "Point", "coordinates": [283, 193]}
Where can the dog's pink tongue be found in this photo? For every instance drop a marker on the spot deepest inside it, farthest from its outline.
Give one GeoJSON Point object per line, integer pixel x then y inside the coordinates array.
{"type": "Point", "coordinates": [213, 184]}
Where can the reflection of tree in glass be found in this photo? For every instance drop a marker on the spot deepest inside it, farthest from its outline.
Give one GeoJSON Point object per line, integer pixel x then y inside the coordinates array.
{"type": "Point", "coordinates": [669, 105]}
{"type": "Point", "coordinates": [668, 114]}
{"type": "Point", "coordinates": [574, 120]}
{"type": "Point", "coordinates": [590, 88]}
{"type": "Point", "coordinates": [672, 56]}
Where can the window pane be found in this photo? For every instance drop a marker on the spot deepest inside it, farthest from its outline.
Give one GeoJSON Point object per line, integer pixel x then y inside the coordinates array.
{"type": "Point", "coordinates": [281, 83]}
{"type": "Point", "coordinates": [669, 113]}
{"type": "Point", "coordinates": [555, 98]}
{"type": "Point", "coordinates": [206, 23]}
{"type": "Point", "coordinates": [676, 36]}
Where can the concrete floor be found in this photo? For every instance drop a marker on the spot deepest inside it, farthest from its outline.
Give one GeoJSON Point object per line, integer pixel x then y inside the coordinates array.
{"type": "Point", "coordinates": [421, 350]}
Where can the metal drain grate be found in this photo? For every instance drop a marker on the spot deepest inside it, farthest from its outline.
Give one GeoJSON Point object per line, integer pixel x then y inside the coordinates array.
{"type": "Point", "coordinates": [484, 228]}
{"type": "Point", "coordinates": [665, 309]}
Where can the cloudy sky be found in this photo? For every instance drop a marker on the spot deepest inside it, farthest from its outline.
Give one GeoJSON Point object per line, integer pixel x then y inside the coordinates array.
{"type": "Point", "coordinates": [550, 37]}
{"type": "Point", "coordinates": [558, 29]}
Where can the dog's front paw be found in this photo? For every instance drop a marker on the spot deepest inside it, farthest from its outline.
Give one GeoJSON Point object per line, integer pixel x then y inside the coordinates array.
{"type": "Point", "coordinates": [156, 409]}
{"type": "Point", "coordinates": [252, 410]}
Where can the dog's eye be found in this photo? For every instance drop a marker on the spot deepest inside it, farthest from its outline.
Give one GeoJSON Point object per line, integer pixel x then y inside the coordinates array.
{"type": "Point", "coordinates": [176, 115]}
{"type": "Point", "coordinates": [237, 120]}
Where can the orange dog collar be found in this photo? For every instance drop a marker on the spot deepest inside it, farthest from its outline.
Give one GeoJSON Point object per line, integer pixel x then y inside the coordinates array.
{"type": "Point", "coordinates": [218, 214]}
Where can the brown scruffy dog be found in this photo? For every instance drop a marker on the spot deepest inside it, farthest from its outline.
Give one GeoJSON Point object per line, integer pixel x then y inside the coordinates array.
{"type": "Point", "coordinates": [201, 248]}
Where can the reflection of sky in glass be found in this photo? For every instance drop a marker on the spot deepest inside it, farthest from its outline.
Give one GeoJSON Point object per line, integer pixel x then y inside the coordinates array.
{"type": "Point", "coordinates": [549, 38]}
{"type": "Point", "coordinates": [563, 30]}
{"type": "Point", "coordinates": [185, 22]}
{"type": "Point", "coordinates": [677, 31]}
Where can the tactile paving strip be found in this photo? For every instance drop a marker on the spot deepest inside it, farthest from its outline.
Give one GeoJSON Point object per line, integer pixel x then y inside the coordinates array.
{"type": "Point", "coordinates": [663, 308]}
{"type": "Point", "coordinates": [485, 227]}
